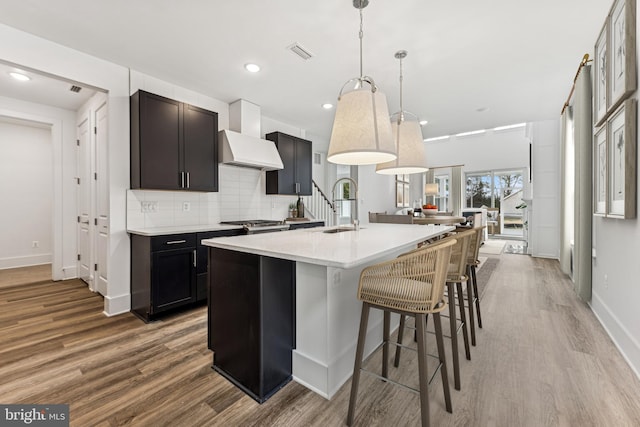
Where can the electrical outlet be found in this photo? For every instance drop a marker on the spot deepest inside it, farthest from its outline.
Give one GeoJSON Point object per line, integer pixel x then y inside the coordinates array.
{"type": "Point", "coordinates": [606, 281]}
{"type": "Point", "coordinates": [186, 206]}
{"type": "Point", "coordinates": [35, 244]}
{"type": "Point", "coordinates": [148, 207]}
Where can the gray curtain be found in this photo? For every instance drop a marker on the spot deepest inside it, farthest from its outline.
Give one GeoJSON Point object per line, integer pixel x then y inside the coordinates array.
{"type": "Point", "coordinates": [457, 190]}
{"type": "Point", "coordinates": [583, 207]}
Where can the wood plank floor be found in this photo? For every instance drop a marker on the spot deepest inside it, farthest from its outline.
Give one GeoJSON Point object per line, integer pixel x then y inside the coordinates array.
{"type": "Point", "coordinates": [542, 359]}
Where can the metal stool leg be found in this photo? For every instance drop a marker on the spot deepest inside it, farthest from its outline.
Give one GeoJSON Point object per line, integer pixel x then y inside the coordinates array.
{"type": "Point", "coordinates": [472, 323]}
{"type": "Point", "coordinates": [355, 379]}
{"type": "Point", "coordinates": [386, 326]}
{"type": "Point", "coordinates": [453, 322]}
{"type": "Point", "coordinates": [421, 326]}
{"type": "Point", "coordinates": [443, 362]}
{"type": "Point", "coordinates": [403, 320]}
{"type": "Point", "coordinates": [463, 319]}
{"type": "Point", "coordinates": [476, 296]}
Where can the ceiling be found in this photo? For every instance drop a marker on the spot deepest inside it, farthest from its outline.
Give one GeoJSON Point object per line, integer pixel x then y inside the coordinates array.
{"type": "Point", "coordinates": [42, 89]}
{"type": "Point", "coordinates": [470, 65]}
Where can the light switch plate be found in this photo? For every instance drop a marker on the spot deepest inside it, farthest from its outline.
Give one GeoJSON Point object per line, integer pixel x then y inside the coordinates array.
{"type": "Point", "coordinates": [148, 207]}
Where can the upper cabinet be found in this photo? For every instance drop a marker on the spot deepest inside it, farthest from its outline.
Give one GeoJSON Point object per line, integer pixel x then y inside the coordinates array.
{"type": "Point", "coordinates": [295, 178]}
{"type": "Point", "coordinates": [174, 146]}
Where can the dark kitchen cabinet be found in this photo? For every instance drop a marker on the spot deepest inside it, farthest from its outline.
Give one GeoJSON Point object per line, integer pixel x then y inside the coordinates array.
{"type": "Point", "coordinates": [295, 177]}
{"type": "Point", "coordinates": [174, 146]}
{"type": "Point", "coordinates": [252, 320]}
{"type": "Point", "coordinates": [202, 252]}
{"type": "Point", "coordinates": [163, 273]}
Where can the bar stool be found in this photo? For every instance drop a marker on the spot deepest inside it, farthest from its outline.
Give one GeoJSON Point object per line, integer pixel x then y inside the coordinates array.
{"type": "Point", "coordinates": [472, 283]}
{"type": "Point", "coordinates": [455, 277]}
{"type": "Point", "coordinates": [411, 285]}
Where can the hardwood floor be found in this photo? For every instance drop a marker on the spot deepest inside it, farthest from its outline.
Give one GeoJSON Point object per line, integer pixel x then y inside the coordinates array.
{"type": "Point", "coordinates": [542, 359]}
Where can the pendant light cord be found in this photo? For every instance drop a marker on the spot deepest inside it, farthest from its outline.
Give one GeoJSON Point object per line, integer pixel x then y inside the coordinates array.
{"type": "Point", "coordinates": [361, 34]}
{"type": "Point", "coordinates": [401, 118]}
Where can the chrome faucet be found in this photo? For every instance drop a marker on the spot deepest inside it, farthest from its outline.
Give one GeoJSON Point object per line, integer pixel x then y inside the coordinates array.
{"type": "Point", "coordinates": [355, 221]}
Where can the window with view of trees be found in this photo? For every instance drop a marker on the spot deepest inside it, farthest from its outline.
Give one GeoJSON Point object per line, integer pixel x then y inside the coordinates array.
{"type": "Point", "coordinates": [490, 188]}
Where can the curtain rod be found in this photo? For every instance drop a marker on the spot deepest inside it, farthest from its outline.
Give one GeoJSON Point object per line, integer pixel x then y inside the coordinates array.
{"type": "Point", "coordinates": [585, 60]}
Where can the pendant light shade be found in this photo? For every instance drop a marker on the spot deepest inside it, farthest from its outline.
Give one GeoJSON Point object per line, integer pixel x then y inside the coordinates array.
{"type": "Point", "coordinates": [407, 135]}
{"type": "Point", "coordinates": [361, 133]}
{"type": "Point", "coordinates": [411, 154]}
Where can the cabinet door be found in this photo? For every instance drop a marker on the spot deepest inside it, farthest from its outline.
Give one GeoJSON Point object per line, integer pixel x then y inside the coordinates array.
{"type": "Point", "coordinates": [303, 166]}
{"type": "Point", "coordinates": [173, 279]}
{"type": "Point", "coordinates": [200, 149]}
{"type": "Point", "coordinates": [160, 149]}
{"type": "Point", "coordinates": [296, 156]}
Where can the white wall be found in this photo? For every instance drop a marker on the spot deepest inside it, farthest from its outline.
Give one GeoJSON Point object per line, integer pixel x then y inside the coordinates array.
{"type": "Point", "coordinates": [615, 276]}
{"type": "Point", "coordinates": [26, 172]}
{"type": "Point", "coordinates": [61, 182]}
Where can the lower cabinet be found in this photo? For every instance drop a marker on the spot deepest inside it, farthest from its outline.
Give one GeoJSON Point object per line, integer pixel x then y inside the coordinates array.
{"type": "Point", "coordinates": [163, 273]}
{"type": "Point", "coordinates": [252, 320]}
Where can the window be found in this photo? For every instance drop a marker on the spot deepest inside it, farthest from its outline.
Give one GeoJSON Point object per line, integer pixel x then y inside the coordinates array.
{"type": "Point", "coordinates": [442, 199]}
{"type": "Point", "coordinates": [402, 191]}
{"type": "Point", "coordinates": [491, 188]}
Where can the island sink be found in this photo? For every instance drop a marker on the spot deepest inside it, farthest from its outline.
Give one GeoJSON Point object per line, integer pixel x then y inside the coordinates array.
{"type": "Point", "coordinates": [338, 230]}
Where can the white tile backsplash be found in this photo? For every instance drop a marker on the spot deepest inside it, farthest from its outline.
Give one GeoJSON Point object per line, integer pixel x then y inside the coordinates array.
{"type": "Point", "coordinates": [241, 195]}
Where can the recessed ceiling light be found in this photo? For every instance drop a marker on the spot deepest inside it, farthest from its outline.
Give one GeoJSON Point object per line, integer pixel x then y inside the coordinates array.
{"type": "Point", "coordinates": [327, 106]}
{"type": "Point", "coordinates": [423, 122]}
{"type": "Point", "coordinates": [252, 68]}
{"type": "Point", "coordinates": [19, 76]}
{"type": "Point", "coordinates": [482, 109]}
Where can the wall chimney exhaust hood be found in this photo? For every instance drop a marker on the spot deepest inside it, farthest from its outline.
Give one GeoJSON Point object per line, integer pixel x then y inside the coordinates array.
{"type": "Point", "coordinates": [242, 145]}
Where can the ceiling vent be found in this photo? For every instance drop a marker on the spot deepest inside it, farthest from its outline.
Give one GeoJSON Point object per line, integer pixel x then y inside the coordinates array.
{"type": "Point", "coordinates": [301, 51]}
{"type": "Point", "coordinates": [75, 88]}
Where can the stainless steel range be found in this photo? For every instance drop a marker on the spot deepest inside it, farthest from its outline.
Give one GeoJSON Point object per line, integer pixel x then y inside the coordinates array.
{"type": "Point", "coordinates": [253, 226]}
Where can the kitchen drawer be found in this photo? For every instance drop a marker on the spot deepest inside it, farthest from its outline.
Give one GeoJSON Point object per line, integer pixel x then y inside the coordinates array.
{"type": "Point", "coordinates": [173, 241]}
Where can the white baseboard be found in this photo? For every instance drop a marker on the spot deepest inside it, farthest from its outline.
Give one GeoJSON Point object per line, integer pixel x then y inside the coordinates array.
{"type": "Point", "coordinates": [24, 261]}
{"type": "Point", "coordinates": [68, 272]}
{"type": "Point", "coordinates": [117, 305]}
{"type": "Point", "coordinates": [619, 334]}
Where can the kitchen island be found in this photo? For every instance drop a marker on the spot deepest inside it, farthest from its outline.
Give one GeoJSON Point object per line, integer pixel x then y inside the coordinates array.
{"type": "Point", "coordinates": [301, 286]}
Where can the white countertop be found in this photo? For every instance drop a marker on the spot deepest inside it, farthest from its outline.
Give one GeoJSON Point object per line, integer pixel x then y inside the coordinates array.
{"type": "Point", "coordinates": [179, 229]}
{"type": "Point", "coordinates": [342, 250]}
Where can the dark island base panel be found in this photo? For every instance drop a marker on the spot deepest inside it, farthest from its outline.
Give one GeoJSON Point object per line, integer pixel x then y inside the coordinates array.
{"type": "Point", "coordinates": [257, 398]}
{"type": "Point", "coordinates": [252, 319]}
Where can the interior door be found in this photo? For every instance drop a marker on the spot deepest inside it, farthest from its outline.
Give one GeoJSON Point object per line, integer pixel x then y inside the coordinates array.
{"type": "Point", "coordinates": [84, 201]}
{"type": "Point", "coordinates": [102, 200]}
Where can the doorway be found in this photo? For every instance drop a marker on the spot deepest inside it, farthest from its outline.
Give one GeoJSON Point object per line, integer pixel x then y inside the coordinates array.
{"type": "Point", "coordinates": [54, 103]}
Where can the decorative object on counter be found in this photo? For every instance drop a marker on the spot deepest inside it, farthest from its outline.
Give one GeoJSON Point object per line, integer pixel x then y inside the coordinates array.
{"type": "Point", "coordinates": [407, 135]}
{"type": "Point", "coordinates": [300, 207]}
{"type": "Point", "coordinates": [361, 133]}
{"type": "Point", "coordinates": [293, 210]}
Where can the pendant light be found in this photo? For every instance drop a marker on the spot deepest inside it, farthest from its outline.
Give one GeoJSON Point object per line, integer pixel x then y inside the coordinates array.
{"type": "Point", "coordinates": [361, 133]}
{"type": "Point", "coordinates": [408, 139]}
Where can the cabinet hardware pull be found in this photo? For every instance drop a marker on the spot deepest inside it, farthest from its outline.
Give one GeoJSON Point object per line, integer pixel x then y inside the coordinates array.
{"type": "Point", "coordinates": [297, 187]}
{"type": "Point", "coordinates": [195, 262]}
{"type": "Point", "coordinates": [181, 179]}
{"type": "Point", "coordinates": [188, 176]}
{"type": "Point", "coordinates": [175, 242]}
